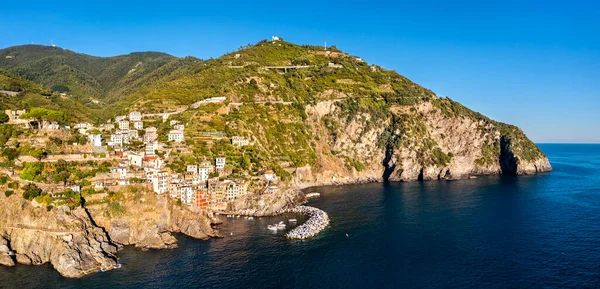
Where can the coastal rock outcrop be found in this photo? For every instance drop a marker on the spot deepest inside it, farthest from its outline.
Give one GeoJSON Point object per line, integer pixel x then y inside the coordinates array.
{"type": "Point", "coordinates": [148, 220]}
{"type": "Point", "coordinates": [67, 238]}
{"type": "Point", "coordinates": [266, 204]}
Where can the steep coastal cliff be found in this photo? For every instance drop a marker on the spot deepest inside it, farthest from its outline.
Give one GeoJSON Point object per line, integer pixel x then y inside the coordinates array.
{"type": "Point", "coordinates": [80, 241]}
{"type": "Point", "coordinates": [66, 238]}
{"type": "Point", "coordinates": [427, 141]}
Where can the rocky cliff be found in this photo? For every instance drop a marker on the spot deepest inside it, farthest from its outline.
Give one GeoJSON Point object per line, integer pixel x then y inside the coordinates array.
{"type": "Point", "coordinates": [267, 204]}
{"type": "Point", "coordinates": [148, 220]}
{"type": "Point", "coordinates": [66, 238]}
{"type": "Point", "coordinates": [80, 241]}
{"type": "Point", "coordinates": [435, 139]}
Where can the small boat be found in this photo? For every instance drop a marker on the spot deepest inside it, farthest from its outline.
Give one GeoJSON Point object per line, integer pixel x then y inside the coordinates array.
{"type": "Point", "coordinates": [272, 227]}
{"type": "Point", "coordinates": [102, 269]}
{"type": "Point", "coordinates": [246, 217]}
{"type": "Point", "coordinates": [281, 225]}
{"type": "Point", "coordinates": [250, 218]}
{"type": "Point", "coordinates": [292, 220]}
{"type": "Point", "coordinates": [230, 234]}
{"type": "Point", "coordinates": [118, 266]}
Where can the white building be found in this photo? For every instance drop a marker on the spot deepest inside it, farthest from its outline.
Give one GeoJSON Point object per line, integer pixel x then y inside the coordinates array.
{"type": "Point", "coordinates": [138, 124]}
{"type": "Point", "coordinates": [133, 134]}
{"type": "Point", "coordinates": [125, 138]}
{"type": "Point", "coordinates": [334, 65]}
{"type": "Point", "coordinates": [135, 116]}
{"type": "Point", "coordinates": [151, 148]}
{"type": "Point", "coordinates": [135, 160]}
{"type": "Point", "coordinates": [275, 38]}
{"type": "Point", "coordinates": [116, 139]}
{"type": "Point", "coordinates": [176, 136]}
{"type": "Point", "coordinates": [123, 124]}
{"type": "Point", "coordinates": [156, 163]}
{"type": "Point", "coordinates": [180, 127]}
{"type": "Point", "coordinates": [220, 163]}
{"type": "Point", "coordinates": [203, 174]}
{"type": "Point", "coordinates": [173, 122]}
{"type": "Point", "coordinates": [269, 175]}
{"type": "Point", "coordinates": [95, 139]}
{"type": "Point", "coordinates": [75, 188]}
{"type": "Point", "coordinates": [83, 125]}
{"type": "Point", "coordinates": [187, 194]}
{"type": "Point", "coordinates": [120, 118]}
{"type": "Point", "coordinates": [208, 165]}
{"type": "Point", "coordinates": [160, 182]}
{"type": "Point", "coordinates": [239, 141]}
{"type": "Point", "coordinates": [122, 172]}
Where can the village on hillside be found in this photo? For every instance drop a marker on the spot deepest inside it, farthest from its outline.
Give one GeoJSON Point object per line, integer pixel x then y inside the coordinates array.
{"type": "Point", "coordinates": [131, 153]}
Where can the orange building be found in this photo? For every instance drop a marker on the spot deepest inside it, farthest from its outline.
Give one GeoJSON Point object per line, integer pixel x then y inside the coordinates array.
{"type": "Point", "coordinates": [201, 200]}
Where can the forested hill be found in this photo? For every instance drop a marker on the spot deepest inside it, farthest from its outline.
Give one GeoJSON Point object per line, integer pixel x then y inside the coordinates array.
{"type": "Point", "coordinates": [97, 83]}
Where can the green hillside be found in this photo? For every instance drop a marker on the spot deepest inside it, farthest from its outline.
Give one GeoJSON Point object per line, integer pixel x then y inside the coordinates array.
{"type": "Point", "coordinates": [97, 85]}
{"type": "Point", "coordinates": [272, 91]}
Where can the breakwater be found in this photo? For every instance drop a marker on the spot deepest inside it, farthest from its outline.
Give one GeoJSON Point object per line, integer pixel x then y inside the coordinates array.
{"type": "Point", "coordinates": [317, 221]}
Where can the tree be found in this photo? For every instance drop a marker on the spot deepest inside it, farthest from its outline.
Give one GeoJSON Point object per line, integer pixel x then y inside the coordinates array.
{"type": "Point", "coordinates": [10, 154]}
{"type": "Point", "coordinates": [31, 170]}
{"type": "Point", "coordinates": [31, 191]}
{"type": "Point", "coordinates": [39, 115]}
{"type": "Point", "coordinates": [61, 177]}
{"type": "Point", "coordinates": [3, 117]}
{"type": "Point", "coordinates": [38, 154]}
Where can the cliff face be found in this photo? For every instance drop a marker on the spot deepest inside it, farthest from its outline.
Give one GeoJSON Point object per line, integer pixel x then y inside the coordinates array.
{"type": "Point", "coordinates": [267, 204]}
{"type": "Point", "coordinates": [66, 238]}
{"type": "Point", "coordinates": [431, 140]}
{"type": "Point", "coordinates": [80, 241]}
{"type": "Point", "coordinates": [148, 220]}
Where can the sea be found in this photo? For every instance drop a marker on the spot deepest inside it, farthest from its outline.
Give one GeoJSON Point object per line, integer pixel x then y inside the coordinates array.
{"type": "Point", "coordinates": [537, 231]}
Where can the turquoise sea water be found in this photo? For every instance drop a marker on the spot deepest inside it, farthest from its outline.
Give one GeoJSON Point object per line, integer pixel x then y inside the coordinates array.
{"type": "Point", "coordinates": [491, 232]}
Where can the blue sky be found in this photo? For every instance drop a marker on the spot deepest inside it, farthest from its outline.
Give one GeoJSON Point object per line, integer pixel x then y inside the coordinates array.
{"type": "Point", "coordinates": [535, 64]}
